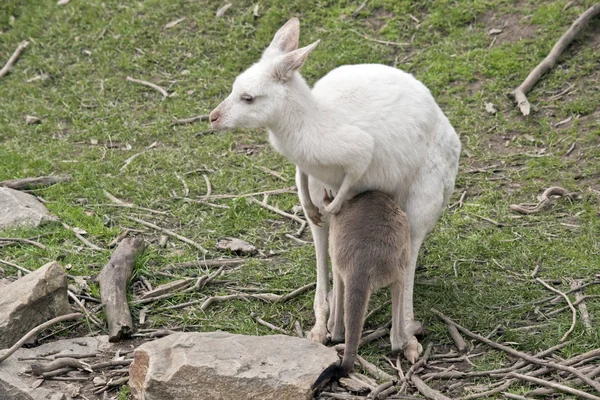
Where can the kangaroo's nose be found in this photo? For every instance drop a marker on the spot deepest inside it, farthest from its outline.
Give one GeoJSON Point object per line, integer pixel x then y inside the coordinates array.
{"type": "Point", "coordinates": [214, 116]}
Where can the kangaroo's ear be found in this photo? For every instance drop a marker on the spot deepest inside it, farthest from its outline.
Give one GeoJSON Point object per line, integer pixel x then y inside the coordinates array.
{"type": "Point", "coordinates": [285, 40]}
{"type": "Point", "coordinates": [287, 64]}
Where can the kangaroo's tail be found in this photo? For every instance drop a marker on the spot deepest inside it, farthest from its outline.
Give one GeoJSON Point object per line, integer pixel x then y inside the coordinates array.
{"type": "Point", "coordinates": [356, 298]}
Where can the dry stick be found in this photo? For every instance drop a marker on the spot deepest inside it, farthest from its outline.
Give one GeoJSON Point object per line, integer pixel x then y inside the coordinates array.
{"type": "Point", "coordinates": [557, 386]}
{"type": "Point", "coordinates": [261, 296]}
{"type": "Point", "coordinates": [268, 324]}
{"type": "Point", "coordinates": [516, 353]}
{"type": "Point", "coordinates": [515, 396]}
{"type": "Point", "coordinates": [35, 183]}
{"type": "Point", "coordinates": [426, 391]}
{"type": "Point", "coordinates": [120, 203]}
{"type": "Point", "coordinates": [375, 371]}
{"type": "Point", "coordinates": [544, 202]}
{"type": "Point", "coordinates": [10, 264]}
{"type": "Point", "coordinates": [207, 263]}
{"type": "Point", "coordinates": [170, 233]}
{"type": "Point", "coordinates": [298, 329]}
{"type": "Point", "coordinates": [186, 189]}
{"type": "Point", "coordinates": [296, 292]}
{"type": "Point", "coordinates": [399, 44]}
{"type": "Point", "coordinates": [489, 393]}
{"type": "Point", "coordinates": [278, 211]}
{"type": "Point", "coordinates": [551, 59]}
{"type": "Point", "coordinates": [28, 241]}
{"type": "Point", "coordinates": [113, 287]}
{"type": "Point", "coordinates": [460, 343]}
{"type": "Point", "coordinates": [574, 319]}
{"type": "Point", "coordinates": [208, 185]}
{"type": "Point", "coordinates": [7, 353]}
{"type": "Point", "coordinates": [92, 318]}
{"type": "Point", "coordinates": [40, 368]}
{"type": "Point", "coordinates": [291, 189]}
{"type": "Point", "coordinates": [184, 121]}
{"type": "Point", "coordinates": [150, 85]}
{"type": "Point", "coordinates": [585, 316]}
{"type": "Point", "coordinates": [83, 240]}
{"type": "Point", "coordinates": [13, 58]}
{"type": "Point", "coordinates": [375, 392]}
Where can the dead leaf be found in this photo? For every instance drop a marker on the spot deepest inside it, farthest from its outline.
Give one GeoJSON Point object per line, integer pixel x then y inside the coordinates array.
{"type": "Point", "coordinates": [221, 11]}
{"type": "Point", "coordinates": [236, 246]}
{"type": "Point", "coordinates": [494, 31]}
{"type": "Point", "coordinates": [491, 108]}
{"type": "Point", "coordinates": [173, 23]}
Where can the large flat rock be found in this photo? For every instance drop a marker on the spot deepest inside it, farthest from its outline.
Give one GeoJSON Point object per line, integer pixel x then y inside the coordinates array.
{"type": "Point", "coordinates": [219, 365]}
{"type": "Point", "coordinates": [18, 208]}
{"type": "Point", "coordinates": [31, 301]}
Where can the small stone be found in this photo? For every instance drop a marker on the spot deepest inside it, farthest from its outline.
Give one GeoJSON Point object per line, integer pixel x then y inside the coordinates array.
{"type": "Point", "coordinates": [30, 120]}
{"type": "Point", "coordinates": [237, 246]}
{"type": "Point", "coordinates": [223, 366]}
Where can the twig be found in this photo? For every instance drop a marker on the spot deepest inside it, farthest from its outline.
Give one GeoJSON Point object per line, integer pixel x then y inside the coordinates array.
{"type": "Point", "coordinates": [35, 183]}
{"type": "Point", "coordinates": [13, 58]}
{"type": "Point", "coordinates": [186, 189]}
{"type": "Point", "coordinates": [278, 211]}
{"type": "Point", "coordinates": [130, 160]}
{"type": "Point", "coordinates": [489, 393]}
{"type": "Point", "coordinates": [426, 391]}
{"type": "Point", "coordinates": [574, 319]}
{"type": "Point", "coordinates": [150, 85]}
{"type": "Point", "coordinates": [460, 201]}
{"type": "Point", "coordinates": [565, 40]}
{"type": "Point", "coordinates": [10, 264]}
{"type": "Point", "coordinates": [208, 186]}
{"type": "Point", "coordinates": [232, 262]}
{"type": "Point", "coordinates": [20, 240]}
{"type": "Point", "coordinates": [297, 240]}
{"type": "Point", "coordinates": [359, 8]}
{"type": "Point", "coordinates": [460, 343]}
{"type": "Point", "coordinates": [399, 44]}
{"type": "Point", "coordinates": [170, 233]}
{"type": "Point", "coordinates": [554, 385]}
{"type": "Point", "coordinates": [375, 371]}
{"type": "Point", "coordinates": [298, 329]}
{"type": "Point", "coordinates": [296, 292]}
{"type": "Point", "coordinates": [375, 392]}
{"type": "Point", "coordinates": [40, 368]}
{"type": "Point", "coordinates": [7, 353]}
{"type": "Point", "coordinates": [291, 189]}
{"type": "Point", "coordinates": [120, 203]}
{"type": "Point", "coordinates": [544, 202]}
{"type": "Point", "coordinates": [516, 396]}
{"type": "Point", "coordinates": [420, 363]}
{"type": "Point", "coordinates": [184, 121]}
{"type": "Point", "coordinates": [519, 354]}
{"type": "Point", "coordinates": [81, 238]}
{"type": "Point", "coordinates": [570, 150]}
{"type": "Point", "coordinates": [268, 324]}
{"type": "Point", "coordinates": [585, 316]}
{"type": "Point", "coordinates": [92, 318]}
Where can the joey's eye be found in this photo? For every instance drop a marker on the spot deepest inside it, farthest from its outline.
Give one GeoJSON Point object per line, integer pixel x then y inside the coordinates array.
{"type": "Point", "coordinates": [246, 98]}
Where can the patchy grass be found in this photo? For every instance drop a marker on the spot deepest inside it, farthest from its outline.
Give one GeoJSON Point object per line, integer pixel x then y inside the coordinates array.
{"type": "Point", "coordinates": [472, 270]}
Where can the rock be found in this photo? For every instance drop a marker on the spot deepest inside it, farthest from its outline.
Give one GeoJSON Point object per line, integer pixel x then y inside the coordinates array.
{"type": "Point", "coordinates": [237, 246]}
{"type": "Point", "coordinates": [16, 382]}
{"type": "Point", "coordinates": [18, 208]}
{"type": "Point", "coordinates": [32, 300]}
{"type": "Point", "coordinates": [219, 365]}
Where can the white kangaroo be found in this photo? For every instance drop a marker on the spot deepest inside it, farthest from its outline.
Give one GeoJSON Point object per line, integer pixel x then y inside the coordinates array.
{"type": "Point", "coordinates": [361, 127]}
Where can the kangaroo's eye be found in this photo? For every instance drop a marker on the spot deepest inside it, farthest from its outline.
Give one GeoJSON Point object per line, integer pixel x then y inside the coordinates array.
{"type": "Point", "coordinates": [246, 98]}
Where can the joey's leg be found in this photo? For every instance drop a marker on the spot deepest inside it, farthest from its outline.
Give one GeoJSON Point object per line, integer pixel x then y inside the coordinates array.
{"type": "Point", "coordinates": [336, 309]}
{"type": "Point", "coordinates": [320, 238]}
{"type": "Point", "coordinates": [342, 193]}
{"type": "Point", "coordinates": [311, 211]}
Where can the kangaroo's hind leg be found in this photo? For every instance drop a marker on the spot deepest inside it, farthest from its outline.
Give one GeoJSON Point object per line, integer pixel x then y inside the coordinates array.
{"type": "Point", "coordinates": [401, 338]}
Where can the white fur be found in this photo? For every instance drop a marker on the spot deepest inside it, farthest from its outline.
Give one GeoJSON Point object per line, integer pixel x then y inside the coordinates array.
{"type": "Point", "coordinates": [362, 127]}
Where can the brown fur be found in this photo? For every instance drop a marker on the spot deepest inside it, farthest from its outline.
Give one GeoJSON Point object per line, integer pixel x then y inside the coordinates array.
{"type": "Point", "coordinates": [369, 245]}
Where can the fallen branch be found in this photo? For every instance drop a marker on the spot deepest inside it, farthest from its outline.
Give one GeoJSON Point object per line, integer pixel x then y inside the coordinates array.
{"type": "Point", "coordinates": [207, 263]}
{"type": "Point", "coordinates": [13, 58]}
{"type": "Point", "coordinates": [20, 240]}
{"type": "Point", "coordinates": [4, 354]}
{"type": "Point", "coordinates": [375, 371]}
{"type": "Point", "coordinates": [544, 202]}
{"type": "Point", "coordinates": [460, 343]}
{"type": "Point", "coordinates": [580, 394]}
{"type": "Point", "coordinates": [35, 183]}
{"type": "Point", "coordinates": [80, 237]}
{"type": "Point", "coordinates": [170, 233]}
{"type": "Point", "coordinates": [551, 59]}
{"type": "Point", "coordinates": [41, 368]}
{"type": "Point", "coordinates": [516, 353]}
{"type": "Point", "coordinates": [150, 85]}
{"type": "Point", "coordinates": [113, 287]}
{"type": "Point", "coordinates": [375, 392]}
{"type": "Point", "coordinates": [574, 319]}
{"type": "Point", "coordinates": [427, 391]}
{"type": "Point", "coordinates": [579, 298]}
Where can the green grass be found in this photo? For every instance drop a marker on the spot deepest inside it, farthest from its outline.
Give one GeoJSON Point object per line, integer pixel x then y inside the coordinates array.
{"type": "Point", "coordinates": [87, 49]}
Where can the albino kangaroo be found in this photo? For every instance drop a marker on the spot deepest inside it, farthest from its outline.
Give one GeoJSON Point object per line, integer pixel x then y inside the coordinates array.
{"type": "Point", "coordinates": [369, 245]}
{"type": "Point", "coordinates": [362, 127]}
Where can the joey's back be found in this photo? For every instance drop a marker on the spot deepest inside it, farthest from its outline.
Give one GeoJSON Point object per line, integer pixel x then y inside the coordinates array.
{"type": "Point", "coordinates": [371, 232]}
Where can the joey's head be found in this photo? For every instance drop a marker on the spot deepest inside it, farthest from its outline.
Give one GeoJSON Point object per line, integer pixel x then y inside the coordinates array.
{"type": "Point", "coordinates": [259, 95]}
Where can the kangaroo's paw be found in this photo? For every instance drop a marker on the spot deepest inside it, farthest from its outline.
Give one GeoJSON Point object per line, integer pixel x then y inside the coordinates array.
{"type": "Point", "coordinates": [334, 207]}
{"type": "Point", "coordinates": [413, 350]}
{"type": "Point", "coordinates": [314, 215]}
{"type": "Point", "coordinates": [318, 334]}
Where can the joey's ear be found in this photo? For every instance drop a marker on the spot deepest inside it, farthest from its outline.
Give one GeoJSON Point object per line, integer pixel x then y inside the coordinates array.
{"type": "Point", "coordinates": [285, 40]}
{"type": "Point", "coordinates": [287, 64]}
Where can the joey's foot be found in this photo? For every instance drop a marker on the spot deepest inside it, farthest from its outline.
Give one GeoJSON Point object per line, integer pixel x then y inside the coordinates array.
{"type": "Point", "coordinates": [318, 334]}
{"type": "Point", "coordinates": [413, 350]}
{"type": "Point", "coordinates": [314, 215]}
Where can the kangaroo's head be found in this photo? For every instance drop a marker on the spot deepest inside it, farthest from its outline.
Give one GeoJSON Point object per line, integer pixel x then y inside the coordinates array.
{"type": "Point", "coordinates": [259, 93]}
